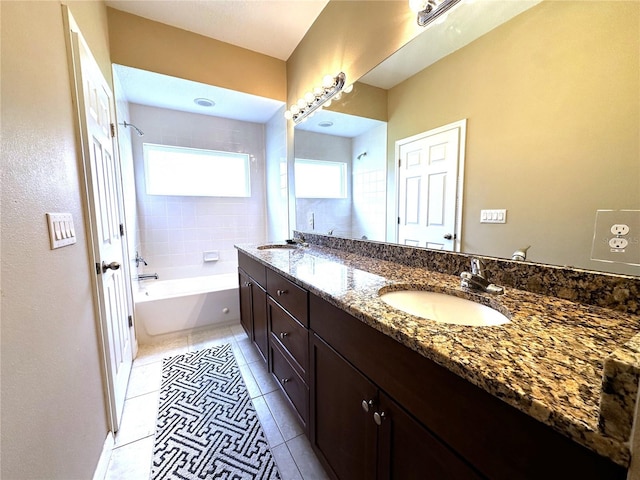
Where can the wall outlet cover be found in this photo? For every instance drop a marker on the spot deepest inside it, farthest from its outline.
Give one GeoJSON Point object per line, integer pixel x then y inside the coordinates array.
{"type": "Point", "coordinates": [616, 237]}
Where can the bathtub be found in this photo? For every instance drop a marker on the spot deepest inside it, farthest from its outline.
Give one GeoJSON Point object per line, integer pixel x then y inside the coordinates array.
{"type": "Point", "coordinates": [165, 307]}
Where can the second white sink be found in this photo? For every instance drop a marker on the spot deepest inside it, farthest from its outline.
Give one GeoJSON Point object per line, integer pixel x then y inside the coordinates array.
{"type": "Point", "coordinates": [441, 307]}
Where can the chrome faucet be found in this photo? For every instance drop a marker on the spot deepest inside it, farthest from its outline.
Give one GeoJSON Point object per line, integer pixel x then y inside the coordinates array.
{"type": "Point", "coordinates": [139, 260]}
{"type": "Point", "coordinates": [477, 280]}
{"type": "Point", "coordinates": [300, 241]}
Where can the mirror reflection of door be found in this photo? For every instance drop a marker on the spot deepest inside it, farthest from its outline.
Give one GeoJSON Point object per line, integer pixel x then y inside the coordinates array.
{"type": "Point", "coordinates": [429, 182]}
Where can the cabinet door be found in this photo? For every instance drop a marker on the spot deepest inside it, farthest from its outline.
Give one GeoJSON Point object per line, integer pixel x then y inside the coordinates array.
{"type": "Point", "coordinates": [259, 307]}
{"type": "Point", "coordinates": [407, 450]}
{"type": "Point", "coordinates": [246, 313]}
{"type": "Point", "coordinates": [342, 433]}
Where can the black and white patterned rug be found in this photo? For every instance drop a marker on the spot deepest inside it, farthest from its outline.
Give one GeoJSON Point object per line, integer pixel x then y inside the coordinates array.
{"type": "Point", "coordinates": [207, 426]}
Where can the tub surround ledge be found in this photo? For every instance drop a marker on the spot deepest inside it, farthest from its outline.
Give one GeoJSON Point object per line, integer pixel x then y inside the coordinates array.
{"type": "Point", "coordinates": [573, 366]}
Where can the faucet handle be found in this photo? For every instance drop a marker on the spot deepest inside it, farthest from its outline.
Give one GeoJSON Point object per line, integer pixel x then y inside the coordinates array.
{"type": "Point", "coordinates": [477, 267]}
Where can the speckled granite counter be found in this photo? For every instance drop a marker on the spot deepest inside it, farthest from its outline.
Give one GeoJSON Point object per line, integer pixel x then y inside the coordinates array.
{"type": "Point", "coordinates": [573, 367]}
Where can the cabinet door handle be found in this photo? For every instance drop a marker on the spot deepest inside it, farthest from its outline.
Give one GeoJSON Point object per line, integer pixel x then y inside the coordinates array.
{"type": "Point", "coordinates": [284, 380]}
{"type": "Point", "coordinates": [247, 284]}
{"type": "Point", "coordinates": [283, 334]}
{"type": "Point", "coordinates": [366, 405]}
{"type": "Point", "coordinates": [379, 418]}
{"type": "Point", "coordinates": [280, 292]}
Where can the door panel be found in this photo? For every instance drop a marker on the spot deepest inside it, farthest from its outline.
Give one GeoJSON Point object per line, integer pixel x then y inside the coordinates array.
{"type": "Point", "coordinates": [104, 198]}
{"type": "Point", "coordinates": [429, 182]}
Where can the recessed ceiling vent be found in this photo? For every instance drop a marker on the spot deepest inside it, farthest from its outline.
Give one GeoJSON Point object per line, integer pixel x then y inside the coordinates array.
{"type": "Point", "coordinates": [204, 102]}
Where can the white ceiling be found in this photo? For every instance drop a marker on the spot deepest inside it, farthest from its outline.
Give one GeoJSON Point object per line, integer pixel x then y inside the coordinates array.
{"type": "Point", "coordinates": [270, 27]}
{"type": "Point", "coordinates": [249, 23]}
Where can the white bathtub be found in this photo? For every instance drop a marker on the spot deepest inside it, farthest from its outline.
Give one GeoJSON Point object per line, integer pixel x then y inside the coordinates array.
{"type": "Point", "coordinates": [170, 306]}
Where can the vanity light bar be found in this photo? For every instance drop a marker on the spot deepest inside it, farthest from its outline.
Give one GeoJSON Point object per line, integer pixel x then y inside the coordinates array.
{"type": "Point", "coordinates": [332, 87]}
{"type": "Point", "coordinates": [429, 10]}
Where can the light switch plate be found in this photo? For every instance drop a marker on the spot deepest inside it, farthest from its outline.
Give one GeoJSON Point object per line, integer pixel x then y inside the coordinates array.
{"type": "Point", "coordinates": [493, 216]}
{"type": "Point", "coordinates": [61, 230]}
{"type": "Point", "coordinates": [616, 237]}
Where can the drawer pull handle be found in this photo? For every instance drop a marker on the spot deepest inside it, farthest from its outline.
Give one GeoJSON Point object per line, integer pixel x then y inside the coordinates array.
{"type": "Point", "coordinates": [284, 380]}
{"type": "Point", "coordinates": [280, 292]}
{"type": "Point", "coordinates": [283, 334]}
{"type": "Point", "coordinates": [379, 418]}
{"type": "Point", "coordinates": [366, 405]}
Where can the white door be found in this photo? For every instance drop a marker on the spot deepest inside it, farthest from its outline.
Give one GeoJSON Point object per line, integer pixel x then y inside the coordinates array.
{"type": "Point", "coordinates": [430, 187]}
{"type": "Point", "coordinates": [105, 212]}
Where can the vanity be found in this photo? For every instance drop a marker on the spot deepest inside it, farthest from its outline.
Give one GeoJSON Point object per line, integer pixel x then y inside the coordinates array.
{"type": "Point", "coordinates": [384, 394]}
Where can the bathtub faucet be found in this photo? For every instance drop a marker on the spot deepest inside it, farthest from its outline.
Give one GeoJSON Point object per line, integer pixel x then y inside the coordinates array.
{"type": "Point", "coordinates": [139, 260]}
{"type": "Point", "coordinates": [147, 276]}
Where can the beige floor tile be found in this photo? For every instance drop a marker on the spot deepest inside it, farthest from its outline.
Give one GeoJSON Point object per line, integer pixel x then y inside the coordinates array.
{"type": "Point", "coordinates": [144, 378]}
{"type": "Point", "coordinates": [286, 465]}
{"type": "Point", "coordinates": [268, 423]}
{"type": "Point", "coordinates": [210, 337]}
{"type": "Point", "coordinates": [138, 418]}
{"type": "Point", "coordinates": [250, 381]}
{"type": "Point", "coordinates": [264, 379]}
{"type": "Point", "coordinates": [306, 459]}
{"type": "Point", "coordinates": [249, 350]}
{"type": "Point", "coordinates": [132, 461]}
{"type": "Point", "coordinates": [287, 422]}
{"type": "Point", "coordinates": [156, 352]}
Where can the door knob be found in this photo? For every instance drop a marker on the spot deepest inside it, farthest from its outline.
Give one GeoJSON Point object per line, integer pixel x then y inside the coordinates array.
{"type": "Point", "coordinates": [449, 236]}
{"type": "Point", "coordinates": [112, 266]}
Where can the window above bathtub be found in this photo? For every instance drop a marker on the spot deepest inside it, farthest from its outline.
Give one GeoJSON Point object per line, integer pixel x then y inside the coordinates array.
{"type": "Point", "coordinates": [320, 178]}
{"type": "Point", "coordinates": [195, 172]}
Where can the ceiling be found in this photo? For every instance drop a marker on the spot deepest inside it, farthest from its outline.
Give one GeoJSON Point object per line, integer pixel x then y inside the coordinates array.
{"type": "Point", "coordinates": [248, 23]}
{"type": "Point", "coordinates": [239, 22]}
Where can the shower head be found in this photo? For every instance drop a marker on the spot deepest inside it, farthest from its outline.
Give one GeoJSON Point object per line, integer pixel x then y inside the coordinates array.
{"type": "Point", "coordinates": [138, 131]}
{"type": "Point", "coordinates": [363, 154]}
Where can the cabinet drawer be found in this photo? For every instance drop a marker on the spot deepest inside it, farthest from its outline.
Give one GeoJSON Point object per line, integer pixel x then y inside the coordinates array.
{"type": "Point", "coordinates": [293, 298]}
{"type": "Point", "coordinates": [290, 334]}
{"type": "Point", "coordinates": [291, 383]}
{"type": "Point", "coordinates": [255, 269]}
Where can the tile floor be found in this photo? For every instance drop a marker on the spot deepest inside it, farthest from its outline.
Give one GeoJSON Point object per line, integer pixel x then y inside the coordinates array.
{"type": "Point", "coordinates": [131, 456]}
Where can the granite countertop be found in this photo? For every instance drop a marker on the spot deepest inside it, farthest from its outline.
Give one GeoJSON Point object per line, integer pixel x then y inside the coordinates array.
{"type": "Point", "coordinates": [573, 367]}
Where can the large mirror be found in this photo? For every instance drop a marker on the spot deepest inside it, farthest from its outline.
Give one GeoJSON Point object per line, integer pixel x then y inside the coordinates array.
{"type": "Point", "coordinates": [551, 99]}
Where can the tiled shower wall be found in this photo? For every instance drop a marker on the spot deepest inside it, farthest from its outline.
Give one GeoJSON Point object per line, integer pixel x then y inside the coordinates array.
{"type": "Point", "coordinates": [175, 230]}
{"type": "Point", "coordinates": [368, 216]}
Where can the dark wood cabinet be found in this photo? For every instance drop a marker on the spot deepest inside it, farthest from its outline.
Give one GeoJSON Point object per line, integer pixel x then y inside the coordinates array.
{"type": "Point", "coordinates": [375, 409]}
{"type": "Point", "coordinates": [466, 429]}
{"type": "Point", "coordinates": [359, 432]}
{"type": "Point", "coordinates": [253, 303]}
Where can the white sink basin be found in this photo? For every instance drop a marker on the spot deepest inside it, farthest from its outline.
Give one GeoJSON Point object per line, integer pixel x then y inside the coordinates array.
{"type": "Point", "coordinates": [444, 308]}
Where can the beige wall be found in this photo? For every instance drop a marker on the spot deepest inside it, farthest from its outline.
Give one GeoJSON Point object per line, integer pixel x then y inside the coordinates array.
{"type": "Point", "coordinates": [156, 47]}
{"type": "Point", "coordinates": [552, 100]}
{"type": "Point", "coordinates": [348, 36]}
{"type": "Point", "coordinates": [53, 410]}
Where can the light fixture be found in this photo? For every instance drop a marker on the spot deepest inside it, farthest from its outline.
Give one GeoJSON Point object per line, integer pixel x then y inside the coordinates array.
{"type": "Point", "coordinates": [331, 89]}
{"type": "Point", "coordinates": [429, 10]}
{"type": "Point", "coordinates": [204, 102]}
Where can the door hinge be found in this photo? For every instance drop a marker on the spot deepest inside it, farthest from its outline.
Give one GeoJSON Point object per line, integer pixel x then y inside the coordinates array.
{"type": "Point", "coordinates": [122, 229]}
{"type": "Point", "coordinates": [130, 321]}
{"type": "Point", "coordinates": [398, 220]}
{"type": "Point", "coordinates": [399, 162]}
{"type": "Point", "coordinates": [113, 130]}
{"type": "Point", "coordinates": [98, 269]}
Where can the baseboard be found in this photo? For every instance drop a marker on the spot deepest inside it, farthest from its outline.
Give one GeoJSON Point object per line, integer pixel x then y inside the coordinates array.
{"type": "Point", "coordinates": [103, 464]}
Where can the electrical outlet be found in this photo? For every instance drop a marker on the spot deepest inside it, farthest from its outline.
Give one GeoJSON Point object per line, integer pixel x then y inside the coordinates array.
{"type": "Point", "coordinates": [619, 243]}
{"type": "Point", "coordinates": [620, 229]}
{"type": "Point", "coordinates": [616, 237]}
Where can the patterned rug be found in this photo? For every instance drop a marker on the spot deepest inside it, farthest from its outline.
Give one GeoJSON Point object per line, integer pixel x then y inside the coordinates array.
{"type": "Point", "coordinates": [207, 426]}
